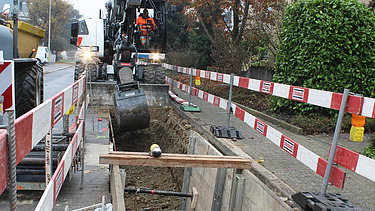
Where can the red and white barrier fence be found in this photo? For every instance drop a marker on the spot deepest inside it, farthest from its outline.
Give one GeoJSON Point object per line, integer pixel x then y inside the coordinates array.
{"type": "Point", "coordinates": [53, 188]}
{"type": "Point", "coordinates": [32, 127]}
{"type": "Point", "coordinates": [356, 104]}
{"type": "Point", "coordinates": [351, 160]}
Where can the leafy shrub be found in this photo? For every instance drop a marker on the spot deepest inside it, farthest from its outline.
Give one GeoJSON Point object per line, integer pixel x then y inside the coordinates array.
{"type": "Point", "coordinates": [326, 45]}
{"type": "Point", "coordinates": [370, 150]}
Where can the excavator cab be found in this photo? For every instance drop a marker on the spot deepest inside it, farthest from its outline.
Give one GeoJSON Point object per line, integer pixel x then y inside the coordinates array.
{"type": "Point", "coordinates": [116, 41]}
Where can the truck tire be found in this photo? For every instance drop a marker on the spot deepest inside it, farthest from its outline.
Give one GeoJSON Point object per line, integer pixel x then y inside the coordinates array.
{"type": "Point", "coordinates": [29, 88]}
{"type": "Point", "coordinates": [154, 75]}
{"type": "Point", "coordinates": [92, 69]}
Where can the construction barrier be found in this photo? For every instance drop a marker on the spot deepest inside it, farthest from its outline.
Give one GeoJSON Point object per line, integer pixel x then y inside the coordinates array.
{"type": "Point", "coordinates": [349, 159]}
{"type": "Point", "coordinates": [53, 188]}
{"type": "Point", "coordinates": [33, 126]}
{"type": "Point", "coordinates": [356, 104]}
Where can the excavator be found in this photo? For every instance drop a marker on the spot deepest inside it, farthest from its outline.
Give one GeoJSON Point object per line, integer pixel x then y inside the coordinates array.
{"type": "Point", "coordinates": [115, 41]}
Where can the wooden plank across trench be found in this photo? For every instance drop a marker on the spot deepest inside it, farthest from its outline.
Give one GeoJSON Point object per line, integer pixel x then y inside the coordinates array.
{"type": "Point", "coordinates": [174, 160]}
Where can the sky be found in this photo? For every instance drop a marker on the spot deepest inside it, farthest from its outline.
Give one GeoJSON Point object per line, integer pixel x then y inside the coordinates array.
{"type": "Point", "coordinates": [89, 8]}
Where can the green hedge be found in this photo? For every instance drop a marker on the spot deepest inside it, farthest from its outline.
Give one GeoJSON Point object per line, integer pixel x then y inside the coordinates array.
{"type": "Point", "coordinates": [326, 45]}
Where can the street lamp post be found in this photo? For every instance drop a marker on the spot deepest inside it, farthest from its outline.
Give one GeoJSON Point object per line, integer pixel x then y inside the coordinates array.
{"type": "Point", "coordinates": [49, 31]}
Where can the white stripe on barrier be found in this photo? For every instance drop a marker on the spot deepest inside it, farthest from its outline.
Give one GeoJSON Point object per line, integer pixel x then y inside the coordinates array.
{"type": "Point", "coordinates": [236, 80]}
{"type": "Point", "coordinates": [214, 76]}
{"type": "Point", "coordinates": [210, 98]}
{"type": "Point", "coordinates": [366, 167]}
{"type": "Point", "coordinates": [41, 121]}
{"type": "Point", "coordinates": [320, 98]}
{"type": "Point", "coordinates": [281, 90]}
{"type": "Point", "coordinates": [249, 119]}
{"type": "Point", "coordinates": [254, 85]}
{"type": "Point", "coordinates": [223, 104]}
{"type": "Point", "coordinates": [272, 134]}
{"type": "Point", "coordinates": [226, 78]}
{"type": "Point", "coordinates": [68, 159]}
{"type": "Point", "coordinates": [368, 107]}
{"type": "Point", "coordinates": [68, 93]}
{"type": "Point", "coordinates": [46, 201]}
{"type": "Point", "coordinates": [307, 157]}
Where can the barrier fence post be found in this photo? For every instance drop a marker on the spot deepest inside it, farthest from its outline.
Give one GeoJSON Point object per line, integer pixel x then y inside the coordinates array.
{"type": "Point", "coordinates": [12, 160]}
{"type": "Point", "coordinates": [191, 83]}
{"type": "Point", "coordinates": [172, 78]}
{"type": "Point", "coordinates": [48, 156]}
{"type": "Point", "coordinates": [230, 99]}
{"type": "Point", "coordinates": [84, 131]}
{"type": "Point", "coordinates": [334, 142]}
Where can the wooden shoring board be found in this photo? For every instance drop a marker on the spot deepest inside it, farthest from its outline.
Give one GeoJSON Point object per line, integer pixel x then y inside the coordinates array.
{"type": "Point", "coordinates": [174, 160]}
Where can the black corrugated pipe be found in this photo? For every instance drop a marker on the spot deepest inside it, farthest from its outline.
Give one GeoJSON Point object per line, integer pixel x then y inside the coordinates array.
{"type": "Point", "coordinates": [158, 192]}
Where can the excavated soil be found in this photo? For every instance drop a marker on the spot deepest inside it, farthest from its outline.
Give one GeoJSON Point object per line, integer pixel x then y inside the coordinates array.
{"type": "Point", "coordinates": [171, 133]}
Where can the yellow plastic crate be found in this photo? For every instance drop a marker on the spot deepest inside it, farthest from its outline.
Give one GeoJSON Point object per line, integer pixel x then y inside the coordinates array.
{"type": "Point", "coordinates": [356, 133]}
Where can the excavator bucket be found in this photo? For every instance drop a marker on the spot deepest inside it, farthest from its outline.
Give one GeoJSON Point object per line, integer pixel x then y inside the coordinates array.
{"type": "Point", "coordinates": [131, 110]}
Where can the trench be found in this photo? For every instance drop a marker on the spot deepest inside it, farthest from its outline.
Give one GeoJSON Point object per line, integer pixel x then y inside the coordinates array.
{"type": "Point", "coordinates": [171, 133]}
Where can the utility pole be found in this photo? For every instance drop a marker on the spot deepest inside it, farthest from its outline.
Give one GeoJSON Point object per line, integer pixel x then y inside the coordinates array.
{"type": "Point", "coordinates": [49, 30]}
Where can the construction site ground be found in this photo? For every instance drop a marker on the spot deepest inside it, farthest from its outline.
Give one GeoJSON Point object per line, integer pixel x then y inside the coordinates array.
{"type": "Point", "coordinates": [171, 132]}
{"type": "Point", "coordinates": [359, 190]}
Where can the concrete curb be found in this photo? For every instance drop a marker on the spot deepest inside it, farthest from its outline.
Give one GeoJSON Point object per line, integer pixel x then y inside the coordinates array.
{"type": "Point", "coordinates": [273, 120]}
{"type": "Point", "coordinates": [227, 148]}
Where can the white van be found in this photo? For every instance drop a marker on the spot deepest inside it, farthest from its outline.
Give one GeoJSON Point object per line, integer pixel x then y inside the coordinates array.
{"type": "Point", "coordinates": [42, 54]}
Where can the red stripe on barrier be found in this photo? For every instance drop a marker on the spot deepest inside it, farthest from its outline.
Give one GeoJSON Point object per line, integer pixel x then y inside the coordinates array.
{"type": "Point", "coordinates": [354, 104]}
{"type": "Point", "coordinates": [58, 177]}
{"type": "Point", "coordinates": [205, 96]}
{"type": "Point", "coordinates": [289, 146]}
{"type": "Point", "coordinates": [24, 136]}
{"type": "Point", "coordinates": [337, 177]}
{"type": "Point", "coordinates": [75, 92]}
{"type": "Point", "coordinates": [3, 160]}
{"type": "Point", "coordinates": [298, 93]}
{"type": "Point", "coordinates": [57, 108]}
{"type": "Point", "coordinates": [220, 77]}
{"type": "Point", "coordinates": [207, 74]}
{"type": "Point", "coordinates": [243, 82]}
{"type": "Point", "coordinates": [266, 87]}
{"type": "Point", "coordinates": [216, 101]}
{"type": "Point", "coordinates": [261, 127]}
{"type": "Point", "coordinates": [9, 98]}
{"type": "Point", "coordinates": [3, 66]}
{"type": "Point", "coordinates": [346, 158]}
{"type": "Point", "coordinates": [198, 73]}
{"type": "Point", "coordinates": [240, 113]}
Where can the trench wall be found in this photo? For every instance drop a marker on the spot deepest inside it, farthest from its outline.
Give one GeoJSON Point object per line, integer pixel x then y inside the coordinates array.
{"type": "Point", "coordinates": [241, 189]}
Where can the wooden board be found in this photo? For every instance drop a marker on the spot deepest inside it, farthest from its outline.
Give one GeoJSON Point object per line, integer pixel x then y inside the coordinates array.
{"type": "Point", "coordinates": [174, 160]}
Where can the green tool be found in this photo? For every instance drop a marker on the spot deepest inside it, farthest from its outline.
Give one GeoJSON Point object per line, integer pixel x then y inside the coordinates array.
{"type": "Point", "coordinates": [190, 108]}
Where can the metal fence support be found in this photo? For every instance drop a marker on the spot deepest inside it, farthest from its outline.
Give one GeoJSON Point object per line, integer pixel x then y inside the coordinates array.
{"type": "Point", "coordinates": [238, 190]}
{"type": "Point", "coordinates": [230, 99]}
{"type": "Point", "coordinates": [65, 123]}
{"type": "Point", "coordinates": [172, 79]}
{"type": "Point", "coordinates": [84, 104]}
{"type": "Point", "coordinates": [12, 160]}
{"type": "Point", "coordinates": [187, 173]}
{"type": "Point", "coordinates": [48, 156]}
{"type": "Point", "coordinates": [191, 84]}
{"type": "Point", "coordinates": [219, 189]}
{"type": "Point", "coordinates": [335, 141]}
